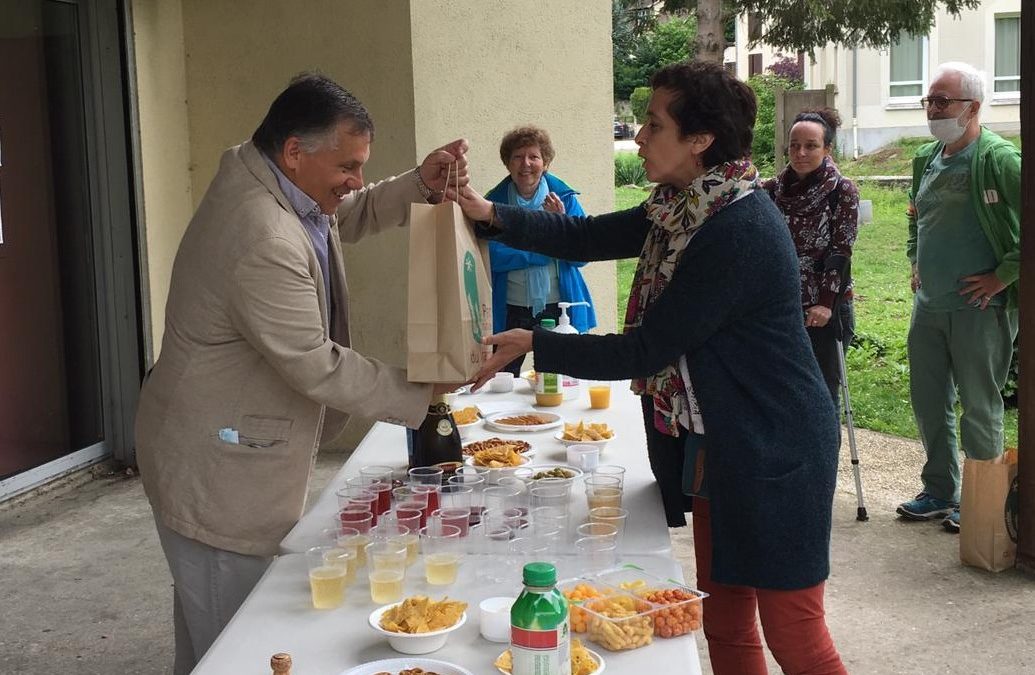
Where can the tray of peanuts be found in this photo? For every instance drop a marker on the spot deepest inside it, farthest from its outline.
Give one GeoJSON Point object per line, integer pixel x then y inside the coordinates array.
{"type": "Point", "coordinates": [627, 608]}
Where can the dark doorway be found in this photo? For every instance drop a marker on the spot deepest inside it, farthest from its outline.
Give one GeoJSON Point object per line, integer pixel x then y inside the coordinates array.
{"type": "Point", "coordinates": [64, 229]}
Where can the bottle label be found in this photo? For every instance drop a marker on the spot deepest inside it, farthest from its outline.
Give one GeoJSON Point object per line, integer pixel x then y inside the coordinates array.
{"type": "Point", "coordinates": [548, 383]}
{"type": "Point", "coordinates": [541, 652]}
{"type": "Point", "coordinates": [444, 427]}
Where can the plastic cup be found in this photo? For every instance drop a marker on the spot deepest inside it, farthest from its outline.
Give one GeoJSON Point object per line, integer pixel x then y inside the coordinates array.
{"type": "Point", "coordinates": [457, 516]}
{"type": "Point", "coordinates": [356, 494]}
{"type": "Point", "coordinates": [603, 491]}
{"type": "Point", "coordinates": [502, 382]}
{"type": "Point", "coordinates": [584, 457]}
{"type": "Point", "coordinates": [426, 475]}
{"type": "Point", "coordinates": [612, 470]}
{"type": "Point", "coordinates": [408, 518]}
{"type": "Point", "coordinates": [386, 585]}
{"type": "Point", "coordinates": [596, 553]}
{"type": "Point", "coordinates": [357, 517]}
{"type": "Point", "coordinates": [430, 491]}
{"type": "Point", "coordinates": [611, 515]}
{"type": "Point", "coordinates": [599, 395]}
{"type": "Point", "coordinates": [451, 495]}
{"type": "Point", "coordinates": [386, 555]}
{"type": "Point", "coordinates": [602, 530]}
{"type": "Point", "coordinates": [494, 618]}
{"type": "Point", "coordinates": [553, 496]}
{"type": "Point", "coordinates": [328, 575]}
{"type": "Point", "coordinates": [442, 553]}
{"type": "Point", "coordinates": [379, 480]}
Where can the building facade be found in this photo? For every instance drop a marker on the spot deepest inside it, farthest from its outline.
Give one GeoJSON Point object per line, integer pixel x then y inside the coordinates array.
{"type": "Point", "coordinates": [879, 90]}
{"type": "Point", "coordinates": [113, 116]}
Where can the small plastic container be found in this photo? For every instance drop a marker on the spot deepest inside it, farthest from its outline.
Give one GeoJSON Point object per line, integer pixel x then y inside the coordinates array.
{"type": "Point", "coordinates": [578, 591]}
{"type": "Point", "coordinates": [678, 608]}
{"type": "Point", "coordinates": [619, 621]}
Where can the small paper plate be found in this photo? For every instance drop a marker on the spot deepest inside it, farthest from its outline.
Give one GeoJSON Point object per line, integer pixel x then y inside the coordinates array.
{"type": "Point", "coordinates": [550, 420]}
{"type": "Point", "coordinates": [594, 655]}
{"type": "Point", "coordinates": [395, 665]}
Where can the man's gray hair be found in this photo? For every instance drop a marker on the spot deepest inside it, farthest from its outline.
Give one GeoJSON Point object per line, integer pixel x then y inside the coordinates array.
{"type": "Point", "coordinates": [972, 80]}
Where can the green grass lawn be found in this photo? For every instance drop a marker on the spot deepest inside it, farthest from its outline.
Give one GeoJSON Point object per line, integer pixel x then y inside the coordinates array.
{"type": "Point", "coordinates": [878, 370]}
{"type": "Point", "coordinates": [895, 159]}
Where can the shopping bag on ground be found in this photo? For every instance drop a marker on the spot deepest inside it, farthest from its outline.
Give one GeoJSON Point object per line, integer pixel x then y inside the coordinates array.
{"type": "Point", "coordinates": [986, 513]}
{"type": "Point", "coordinates": [449, 300]}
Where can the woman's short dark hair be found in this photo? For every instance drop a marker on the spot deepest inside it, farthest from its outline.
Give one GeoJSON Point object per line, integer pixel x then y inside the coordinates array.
{"type": "Point", "coordinates": [522, 137]}
{"type": "Point", "coordinates": [827, 118]}
{"type": "Point", "coordinates": [310, 108]}
{"type": "Point", "coordinates": [708, 99]}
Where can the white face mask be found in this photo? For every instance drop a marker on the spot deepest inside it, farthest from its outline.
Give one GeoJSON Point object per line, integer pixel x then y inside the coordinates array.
{"type": "Point", "coordinates": [949, 130]}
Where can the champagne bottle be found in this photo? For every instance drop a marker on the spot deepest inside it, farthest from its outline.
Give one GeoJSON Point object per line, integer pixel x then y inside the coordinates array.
{"type": "Point", "coordinates": [437, 440]}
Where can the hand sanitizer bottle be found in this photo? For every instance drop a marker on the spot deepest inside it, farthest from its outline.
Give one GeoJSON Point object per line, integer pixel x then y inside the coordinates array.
{"type": "Point", "coordinates": [571, 386]}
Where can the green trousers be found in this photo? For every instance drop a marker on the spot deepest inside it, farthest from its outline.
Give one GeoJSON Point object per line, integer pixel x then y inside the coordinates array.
{"type": "Point", "coordinates": [968, 351]}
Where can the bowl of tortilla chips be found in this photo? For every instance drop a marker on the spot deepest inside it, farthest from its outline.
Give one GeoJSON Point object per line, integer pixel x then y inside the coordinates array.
{"type": "Point", "coordinates": [418, 624]}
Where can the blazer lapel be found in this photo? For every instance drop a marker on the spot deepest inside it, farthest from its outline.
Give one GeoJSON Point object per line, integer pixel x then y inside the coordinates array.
{"type": "Point", "coordinates": [254, 162]}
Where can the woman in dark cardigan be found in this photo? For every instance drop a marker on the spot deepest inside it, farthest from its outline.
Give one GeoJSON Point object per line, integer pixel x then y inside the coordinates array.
{"type": "Point", "coordinates": [714, 339]}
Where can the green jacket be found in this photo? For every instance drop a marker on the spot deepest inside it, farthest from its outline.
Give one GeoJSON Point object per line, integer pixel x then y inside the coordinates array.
{"type": "Point", "coordinates": [996, 193]}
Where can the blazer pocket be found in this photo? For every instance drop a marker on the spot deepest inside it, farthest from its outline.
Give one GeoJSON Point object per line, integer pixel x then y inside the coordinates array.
{"type": "Point", "coordinates": [260, 431]}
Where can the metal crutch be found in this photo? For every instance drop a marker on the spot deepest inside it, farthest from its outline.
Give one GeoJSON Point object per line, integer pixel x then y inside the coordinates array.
{"type": "Point", "coordinates": [845, 265]}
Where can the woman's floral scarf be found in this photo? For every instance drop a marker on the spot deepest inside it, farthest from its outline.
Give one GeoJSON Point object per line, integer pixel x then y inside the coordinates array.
{"type": "Point", "coordinates": [677, 215]}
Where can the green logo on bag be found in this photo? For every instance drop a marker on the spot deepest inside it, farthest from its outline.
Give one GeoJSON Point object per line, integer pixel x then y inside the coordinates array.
{"type": "Point", "coordinates": [471, 290]}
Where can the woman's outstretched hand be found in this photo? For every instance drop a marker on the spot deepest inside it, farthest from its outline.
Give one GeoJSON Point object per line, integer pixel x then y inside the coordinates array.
{"type": "Point", "coordinates": [471, 203]}
{"type": "Point", "coordinates": [510, 345]}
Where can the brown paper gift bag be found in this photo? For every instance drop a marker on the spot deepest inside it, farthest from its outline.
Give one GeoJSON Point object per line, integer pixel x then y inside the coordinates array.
{"type": "Point", "coordinates": [985, 513]}
{"type": "Point", "coordinates": [449, 301]}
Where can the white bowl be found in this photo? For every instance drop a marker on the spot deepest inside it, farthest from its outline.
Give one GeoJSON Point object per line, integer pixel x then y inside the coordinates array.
{"type": "Point", "coordinates": [576, 471]}
{"type": "Point", "coordinates": [395, 665]}
{"type": "Point", "coordinates": [465, 429]}
{"type": "Point", "coordinates": [469, 461]}
{"type": "Point", "coordinates": [413, 643]}
{"type": "Point", "coordinates": [597, 444]}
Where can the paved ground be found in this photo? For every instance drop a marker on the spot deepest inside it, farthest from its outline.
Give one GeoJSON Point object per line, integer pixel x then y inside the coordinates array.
{"type": "Point", "coordinates": [85, 588]}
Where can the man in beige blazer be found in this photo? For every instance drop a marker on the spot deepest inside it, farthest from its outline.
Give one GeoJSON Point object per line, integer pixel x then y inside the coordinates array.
{"type": "Point", "coordinates": [255, 366]}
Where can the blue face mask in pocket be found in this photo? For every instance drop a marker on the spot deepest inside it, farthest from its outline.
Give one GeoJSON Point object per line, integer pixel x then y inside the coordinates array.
{"type": "Point", "coordinates": [694, 479]}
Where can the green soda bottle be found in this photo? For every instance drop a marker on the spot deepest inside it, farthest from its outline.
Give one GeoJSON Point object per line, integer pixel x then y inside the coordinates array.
{"type": "Point", "coordinates": [540, 637]}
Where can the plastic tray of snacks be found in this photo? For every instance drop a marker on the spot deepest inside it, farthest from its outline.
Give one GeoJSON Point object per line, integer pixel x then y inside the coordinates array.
{"type": "Point", "coordinates": [578, 591]}
{"type": "Point", "coordinates": [614, 619]}
{"type": "Point", "coordinates": [678, 608]}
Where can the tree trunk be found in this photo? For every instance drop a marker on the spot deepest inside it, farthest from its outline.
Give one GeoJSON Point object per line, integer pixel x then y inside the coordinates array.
{"type": "Point", "coordinates": [711, 42]}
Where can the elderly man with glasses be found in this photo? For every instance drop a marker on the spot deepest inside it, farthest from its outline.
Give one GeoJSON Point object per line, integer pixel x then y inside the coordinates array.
{"type": "Point", "coordinates": [964, 243]}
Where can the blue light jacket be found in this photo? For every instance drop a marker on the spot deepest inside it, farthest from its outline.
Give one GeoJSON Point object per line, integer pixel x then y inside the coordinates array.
{"type": "Point", "coordinates": [504, 259]}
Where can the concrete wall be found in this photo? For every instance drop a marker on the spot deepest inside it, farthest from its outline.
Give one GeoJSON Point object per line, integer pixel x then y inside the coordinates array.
{"type": "Point", "coordinates": [482, 68]}
{"type": "Point", "coordinates": [428, 71]}
{"type": "Point", "coordinates": [164, 136]}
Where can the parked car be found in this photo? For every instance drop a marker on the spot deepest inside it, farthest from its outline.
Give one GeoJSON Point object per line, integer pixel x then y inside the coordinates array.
{"type": "Point", "coordinates": [623, 130]}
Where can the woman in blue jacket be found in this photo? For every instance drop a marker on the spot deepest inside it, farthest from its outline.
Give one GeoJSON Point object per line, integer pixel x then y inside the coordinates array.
{"type": "Point", "coordinates": [527, 286]}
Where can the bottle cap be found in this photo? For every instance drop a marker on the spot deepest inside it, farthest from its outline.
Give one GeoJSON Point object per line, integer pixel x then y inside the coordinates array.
{"type": "Point", "coordinates": [547, 323]}
{"type": "Point", "coordinates": [540, 574]}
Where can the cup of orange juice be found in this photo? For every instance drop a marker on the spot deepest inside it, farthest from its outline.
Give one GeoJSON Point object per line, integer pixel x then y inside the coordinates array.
{"type": "Point", "coordinates": [599, 395]}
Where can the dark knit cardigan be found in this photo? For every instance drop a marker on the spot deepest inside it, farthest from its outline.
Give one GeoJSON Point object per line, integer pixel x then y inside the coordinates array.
{"type": "Point", "coordinates": [733, 308]}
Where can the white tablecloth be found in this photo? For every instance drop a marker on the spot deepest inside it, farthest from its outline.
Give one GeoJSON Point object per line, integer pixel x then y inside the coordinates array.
{"type": "Point", "coordinates": [278, 617]}
{"type": "Point", "coordinates": [646, 531]}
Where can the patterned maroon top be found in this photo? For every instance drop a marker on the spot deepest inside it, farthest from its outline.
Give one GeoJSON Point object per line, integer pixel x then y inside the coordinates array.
{"type": "Point", "coordinates": [822, 223]}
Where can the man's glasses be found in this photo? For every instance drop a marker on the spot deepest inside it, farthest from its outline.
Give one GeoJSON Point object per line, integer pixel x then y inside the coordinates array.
{"type": "Point", "coordinates": [940, 102]}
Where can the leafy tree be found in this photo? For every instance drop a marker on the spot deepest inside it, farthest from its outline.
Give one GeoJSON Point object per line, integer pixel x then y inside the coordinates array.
{"type": "Point", "coordinates": [663, 43]}
{"type": "Point", "coordinates": [639, 100]}
{"type": "Point", "coordinates": [803, 25]}
{"type": "Point", "coordinates": [764, 142]}
{"type": "Point", "coordinates": [787, 68]}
